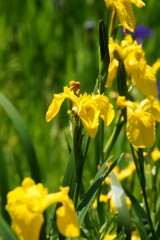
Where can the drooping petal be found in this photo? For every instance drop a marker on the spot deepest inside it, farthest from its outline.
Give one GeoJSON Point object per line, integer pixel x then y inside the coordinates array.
{"type": "Point", "coordinates": [112, 71]}
{"type": "Point", "coordinates": [146, 83]}
{"type": "Point", "coordinates": [141, 129]}
{"type": "Point", "coordinates": [57, 102]}
{"type": "Point", "coordinates": [66, 219]}
{"type": "Point", "coordinates": [55, 106]}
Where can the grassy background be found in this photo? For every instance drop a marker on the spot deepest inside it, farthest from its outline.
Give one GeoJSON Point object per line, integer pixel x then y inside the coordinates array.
{"type": "Point", "coordinates": [44, 45]}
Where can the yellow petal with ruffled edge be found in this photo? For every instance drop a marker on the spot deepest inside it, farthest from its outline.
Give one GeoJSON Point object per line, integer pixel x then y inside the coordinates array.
{"type": "Point", "coordinates": [105, 107]}
{"type": "Point", "coordinates": [141, 129]}
{"type": "Point", "coordinates": [151, 105]}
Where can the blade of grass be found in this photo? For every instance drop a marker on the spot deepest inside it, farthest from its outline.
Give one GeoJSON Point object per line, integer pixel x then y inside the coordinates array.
{"type": "Point", "coordinates": [5, 231]}
{"type": "Point", "coordinates": [139, 211]}
{"type": "Point", "coordinates": [24, 136]}
{"type": "Point", "coordinates": [4, 185]}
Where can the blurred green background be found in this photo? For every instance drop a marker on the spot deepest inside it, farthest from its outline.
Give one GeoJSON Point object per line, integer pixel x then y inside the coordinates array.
{"type": "Point", "coordinates": [44, 44]}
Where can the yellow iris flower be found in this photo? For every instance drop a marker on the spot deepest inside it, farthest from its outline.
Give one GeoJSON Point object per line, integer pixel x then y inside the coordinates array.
{"type": "Point", "coordinates": [125, 11]}
{"type": "Point", "coordinates": [143, 76]}
{"type": "Point", "coordinates": [88, 107]}
{"type": "Point", "coordinates": [27, 203]}
{"type": "Point", "coordinates": [141, 119]}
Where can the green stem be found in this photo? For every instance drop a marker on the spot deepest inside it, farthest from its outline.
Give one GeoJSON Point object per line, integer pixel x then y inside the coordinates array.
{"type": "Point", "coordinates": [79, 157]}
{"type": "Point", "coordinates": [143, 186]}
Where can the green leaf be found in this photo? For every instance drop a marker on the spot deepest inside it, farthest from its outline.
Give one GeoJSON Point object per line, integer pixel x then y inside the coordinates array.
{"type": "Point", "coordinates": [4, 185]}
{"type": "Point", "coordinates": [90, 195]}
{"type": "Point", "coordinates": [139, 211]}
{"type": "Point", "coordinates": [121, 235]}
{"type": "Point", "coordinates": [5, 231]}
{"type": "Point", "coordinates": [158, 231]}
{"type": "Point", "coordinates": [119, 199]}
{"type": "Point", "coordinates": [142, 233]}
{"type": "Point", "coordinates": [24, 135]}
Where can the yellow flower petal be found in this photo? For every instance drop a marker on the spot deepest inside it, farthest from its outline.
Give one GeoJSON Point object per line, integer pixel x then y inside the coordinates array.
{"type": "Point", "coordinates": [105, 107]}
{"type": "Point", "coordinates": [89, 115]}
{"type": "Point", "coordinates": [112, 71]}
{"type": "Point", "coordinates": [156, 65]}
{"type": "Point", "coordinates": [125, 13]}
{"type": "Point", "coordinates": [141, 129]}
{"type": "Point", "coordinates": [152, 106]}
{"type": "Point", "coordinates": [57, 102]}
{"type": "Point", "coordinates": [88, 107]}
{"type": "Point", "coordinates": [66, 219]}
{"type": "Point", "coordinates": [155, 154]}
{"type": "Point", "coordinates": [146, 83]}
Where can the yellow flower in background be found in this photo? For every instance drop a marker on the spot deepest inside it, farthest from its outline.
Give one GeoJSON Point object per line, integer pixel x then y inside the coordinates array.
{"type": "Point", "coordinates": [114, 235]}
{"type": "Point", "coordinates": [125, 11]}
{"type": "Point", "coordinates": [110, 236]}
{"type": "Point", "coordinates": [108, 199]}
{"type": "Point", "coordinates": [88, 107]}
{"type": "Point", "coordinates": [27, 203]}
{"type": "Point", "coordinates": [141, 119]}
{"type": "Point", "coordinates": [122, 174]}
{"type": "Point", "coordinates": [155, 154]}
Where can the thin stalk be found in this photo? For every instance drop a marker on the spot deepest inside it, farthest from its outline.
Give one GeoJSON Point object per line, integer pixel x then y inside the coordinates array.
{"type": "Point", "coordinates": [80, 157]}
{"type": "Point", "coordinates": [135, 162]}
{"type": "Point", "coordinates": [102, 141]}
{"type": "Point", "coordinates": [143, 186]}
